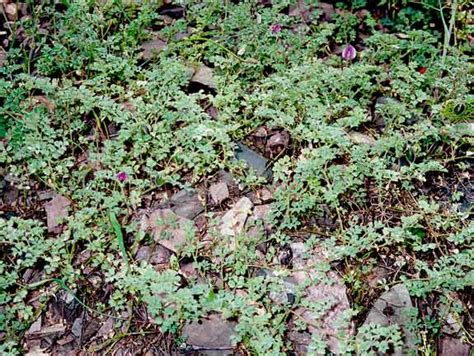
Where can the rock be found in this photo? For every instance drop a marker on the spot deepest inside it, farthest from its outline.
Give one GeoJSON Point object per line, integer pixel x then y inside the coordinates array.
{"type": "Point", "coordinates": [362, 139]}
{"type": "Point", "coordinates": [189, 271]}
{"type": "Point", "coordinates": [175, 12]}
{"type": "Point", "coordinates": [143, 253]}
{"type": "Point", "coordinates": [107, 328]}
{"type": "Point", "coordinates": [449, 346]}
{"type": "Point", "coordinates": [227, 178]}
{"type": "Point", "coordinates": [10, 178]}
{"type": "Point", "coordinates": [327, 9]}
{"type": "Point", "coordinates": [261, 132]}
{"type": "Point", "coordinates": [203, 75]}
{"type": "Point", "coordinates": [38, 351]}
{"type": "Point", "coordinates": [36, 326]}
{"type": "Point", "coordinates": [301, 341]}
{"type": "Point", "coordinates": [277, 143]}
{"type": "Point", "coordinates": [450, 325]}
{"type": "Point", "coordinates": [287, 287]}
{"type": "Point", "coordinates": [262, 212]}
{"type": "Point", "coordinates": [10, 195]}
{"type": "Point", "coordinates": [11, 11]}
{"type": "Point", "coordinates": [254, 161]}
{"type": "Point", "coordinates": [265, 195]}
{"type": "Point", "coordinates": [51, 330]}
{"type": "Point", "coordinates": [76, 328]}
{"type": "Point", "coordinates": [152, 48]}
{"type": "Point", "coordinates": [234, 220]}
{"type": "Point", "coordinates": [320, 292]}
{"type": "Point", "coordinates": [45, 195]}
{"type": "Point", "coordinates": [83, 329]}
{"type": "Point", "coordinates": [56, 210]}
{"type": "Point", "coordinates": [159, 255]}
{"type": "Point", "coordinates": [167, 228]}
{"type": "Point", "coordinates": [391, 308]}
{"type": "Point", "coordinates": [377, 275]}
{"type": "Point", "coordinates": [186, 203]}
{"type": "Point", "coordinates": [219, 192]}
{"type": "Point", "coordinates": [210, 334]}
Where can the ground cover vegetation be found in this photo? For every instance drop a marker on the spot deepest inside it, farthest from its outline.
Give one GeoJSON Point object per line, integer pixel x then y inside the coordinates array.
{"type": "Point", "coordinates": [251, 177]}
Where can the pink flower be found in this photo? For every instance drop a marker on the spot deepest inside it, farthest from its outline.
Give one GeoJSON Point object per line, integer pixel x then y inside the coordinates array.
{"type": "Point", "coordinates": [349, 53]}
{"type": "Point", "coordinates": [275, 28]}
{"type": "Point", "coordinates": [122, 176]}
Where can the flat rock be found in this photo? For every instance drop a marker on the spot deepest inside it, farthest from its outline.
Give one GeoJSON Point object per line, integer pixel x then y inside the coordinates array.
{"type": "Point", "coordinates": [186, 203]}
{"type": "Point", "coordinates": [211, 333]}
{"type": "Point", "coordinates": [265, 194]}
{"type": "Point", "coordinates": [234, 220]}
{"type": "Point", "coordinates": [362, 139]}
{"type": "Point", "coordinates": [391, 308]}
{"type": "Point", "coordinates": [254, 161]}
{"type": "Point", "coordinates": [76, 328]}
{"type": "Point", "coordinates": [50, 330]}
{"type": "Point", "coordinates": [107, 328]}
{"type": "Point", "coordinates": [219, 192]}
{"type": "Point", "coordinates": [450, 346]}
{"type": "Point", "coordinates": [56, 209]}
{"type": "Point", "coordinates": [168, 229]}
{"type": "Point", "coordinates": [152, 47]}
{"type": "Point", "coordinates": [317, 292]}
{"type": "Point", "coordinates": [228, 179]}
{"type": "Point", "coordinates": [156, 256]}
{"type": "Point", "coordinates": [36, 326]}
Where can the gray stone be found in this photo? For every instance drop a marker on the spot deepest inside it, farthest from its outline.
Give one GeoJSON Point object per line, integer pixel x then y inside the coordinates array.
{"type": "Point", "coordinates": [45, 195]}
{"type": "Point", "coordinates": [361, 139]}
{"type": "Point", "coordinates": [227, 178]}
{"type": "Point", "coordinates": [167, 228]}
{"type": "Point", "coordinates": [212, 333]}
{"type": "Point", "coordinates": [316, 290]}
{"type": "Point", "coordinates": [265, 195]}
{"type": "Point", "coordinates": [186, 203]}
{"type": "Point", "coordinates": [234, 220]}
{"type": "Point", "coordinates": [159, 255]}
{"type": "Point", "coordinates": [287, 287]}
{"type": "Point", "coordinates": [450, 325]}
{"type": "Point", "coordinates": [392, 308]}
{"type": "Point", "coordinates": [36, 326]}
{"type": "Point", "coordinates": [107, 328]}
{"type": "Point", "coordinates": [254, 161]}
{"type": "Point", "coordinates": [76, 328]}
{"type": "Point", "coordinates": [449, 346]}
{"type": "Point", "coordinates": [143, 253]}
{"type": "Point", "coordinates": [219, 192]}
{"type": "Point", "coordinates": [152, 47]}
{"type": "Point", "coordinates": [56, 209]}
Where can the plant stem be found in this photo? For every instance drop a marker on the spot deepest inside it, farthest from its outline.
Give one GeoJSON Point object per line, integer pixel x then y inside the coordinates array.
{"type": "Point", "coordinates": [448, 30]}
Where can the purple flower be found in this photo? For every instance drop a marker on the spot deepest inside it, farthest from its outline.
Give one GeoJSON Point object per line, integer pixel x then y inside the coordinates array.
{"type": "Point", "coordinates": [122, 176]}
{"type": "Point", "coordinates": [275, 28]}
{"type": "Point", "coordinates": [349, 53]}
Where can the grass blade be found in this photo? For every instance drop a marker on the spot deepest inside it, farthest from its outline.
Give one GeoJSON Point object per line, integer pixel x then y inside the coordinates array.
{"type": "Point", "coordinates": [118, 232]}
